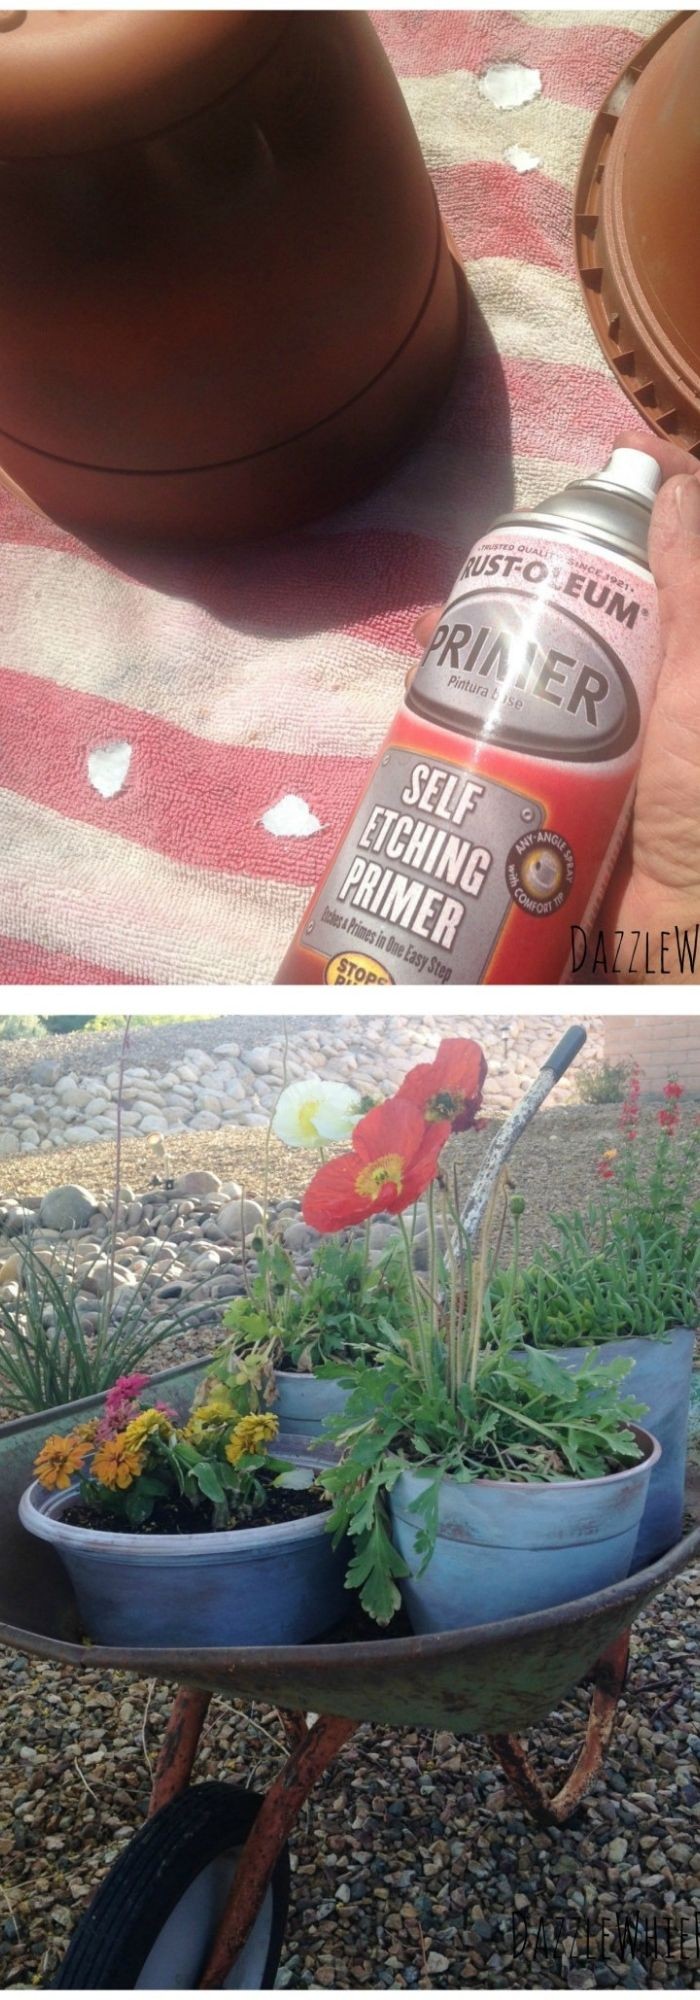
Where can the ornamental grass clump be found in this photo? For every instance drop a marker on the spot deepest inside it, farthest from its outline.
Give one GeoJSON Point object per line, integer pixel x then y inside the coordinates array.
{"type": "Point", "coordinates": [439, 1399]}
{"type": "Point", "coordinates": [629, 1263]}
{"type": "Point", "coordinates": [139, 1469]}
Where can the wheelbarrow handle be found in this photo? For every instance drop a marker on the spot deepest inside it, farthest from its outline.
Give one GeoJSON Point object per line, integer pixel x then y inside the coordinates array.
{"type": "Point", "coordinates": [502, 1145]}
{"type": "Point", "coordinates": [565, 1052]}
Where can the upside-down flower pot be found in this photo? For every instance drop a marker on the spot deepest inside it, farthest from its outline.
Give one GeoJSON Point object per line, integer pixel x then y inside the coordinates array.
{"type": "Point", "coordinates": [303, 1402]}
{"type": "Point", "coordinates": [264, 1586]}
{"type": "Point", "coordinates": [228, 301]}
{"type": "Point", "coordinates": [505, 1548]}
{"type": "Point", "coordinates": [660, 1378]}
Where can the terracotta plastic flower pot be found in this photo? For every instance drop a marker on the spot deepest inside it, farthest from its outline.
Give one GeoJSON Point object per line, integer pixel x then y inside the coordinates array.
{"type": "Point", "coordinates": [504, 1548]}
{"type": "Point", "coordinates": [636, 229]}
{"type": "Point", "coordinates": [228, 300]}
{"type": "Point", "coordinates": [242, 1587]}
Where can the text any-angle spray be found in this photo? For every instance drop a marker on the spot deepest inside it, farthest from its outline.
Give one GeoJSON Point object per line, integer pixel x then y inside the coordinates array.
{"type": "Point", "coordinates": [498, 805]}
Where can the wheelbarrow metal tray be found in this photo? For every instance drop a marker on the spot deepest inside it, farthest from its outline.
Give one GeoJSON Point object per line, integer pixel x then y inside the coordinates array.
{"type": "Point", "coordinates": [490, 1679]}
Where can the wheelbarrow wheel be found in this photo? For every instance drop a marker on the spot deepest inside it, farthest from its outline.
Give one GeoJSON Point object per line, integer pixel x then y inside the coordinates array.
{"type": "Point", "coordinates": [153, 1921]}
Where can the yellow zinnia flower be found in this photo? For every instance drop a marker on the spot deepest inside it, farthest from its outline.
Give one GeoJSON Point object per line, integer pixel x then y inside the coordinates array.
{"type": "Point", "coordinates": [216, 1410]}
{"type": "Point", "coordinates": [59, 1458]}
{"type": "Point", "coordinates": [149, 1423]}
{"type": "Point", "coordinates": [117, 1463]}
{"type": "Point", "coordinates": [249, 1434]}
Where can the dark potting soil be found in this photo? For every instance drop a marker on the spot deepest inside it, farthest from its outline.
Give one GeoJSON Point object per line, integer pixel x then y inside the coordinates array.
{"type": "Point", "coordinates": [179, 1518]}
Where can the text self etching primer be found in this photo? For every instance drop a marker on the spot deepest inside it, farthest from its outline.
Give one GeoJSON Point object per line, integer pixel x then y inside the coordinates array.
{"type": "Point", "coordinates": [497, 808]}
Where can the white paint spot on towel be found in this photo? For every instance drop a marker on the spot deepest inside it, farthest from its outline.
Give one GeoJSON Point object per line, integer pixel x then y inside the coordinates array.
{"type": "Point", "coordinates": [518, 157]}
{"type": "Point", "coordinates": [291, 819]}
{"type": "Point", "coordinates": [508, 85]}
{"type": "Point", "coordinates": [108, 768]}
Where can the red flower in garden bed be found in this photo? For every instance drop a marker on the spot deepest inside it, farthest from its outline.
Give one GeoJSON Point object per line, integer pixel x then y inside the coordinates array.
{"type": "Point", "coordinates": [394, 1157]}
{"type": "Point", "coordinates": [450, 1087]}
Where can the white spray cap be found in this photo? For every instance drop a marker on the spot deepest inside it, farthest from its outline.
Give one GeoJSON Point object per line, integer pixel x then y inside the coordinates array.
{"type": "Point", "coordinates": [635, 471]}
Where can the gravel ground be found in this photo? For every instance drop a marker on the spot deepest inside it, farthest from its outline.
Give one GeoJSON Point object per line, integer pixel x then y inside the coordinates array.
{"type": "Point", "coordinates": [92, 1051]}
{"type": "Point", "coordinates": [412, 1862]}
{"type": "Point", "coordinates": [553, 1165]}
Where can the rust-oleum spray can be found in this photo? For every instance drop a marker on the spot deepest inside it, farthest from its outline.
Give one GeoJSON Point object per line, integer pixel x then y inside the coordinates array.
{"type": "Point", "coordinates": [497, 808]}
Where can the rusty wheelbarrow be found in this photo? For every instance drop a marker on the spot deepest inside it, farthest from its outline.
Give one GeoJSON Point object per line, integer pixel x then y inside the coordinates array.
{"type": "Point", "coordinates": [198, 1898]}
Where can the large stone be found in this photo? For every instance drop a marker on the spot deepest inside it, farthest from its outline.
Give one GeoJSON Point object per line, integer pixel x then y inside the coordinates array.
{"type": "Point", "coordinates": [199, 1183]}
{"type": "Point", "coordinates": [67, 1207]}
{"type": "Point", "coordinates": [8, 1145]}
{"type": "Point", "coordinates": [238, 1218]}
{"type": "Point", "coordinates": [261, 1060]}
{"type": "Point", "coordinates": [298, 1236]}
{"type": "Point", "coordinates": [44, 1072]}
{"type": "Point", "coordinates": [84, 1135]}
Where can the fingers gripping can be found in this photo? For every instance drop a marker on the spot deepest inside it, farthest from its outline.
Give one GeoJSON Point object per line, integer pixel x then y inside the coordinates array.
{"type": "Point", "coordinates": [499, 802]}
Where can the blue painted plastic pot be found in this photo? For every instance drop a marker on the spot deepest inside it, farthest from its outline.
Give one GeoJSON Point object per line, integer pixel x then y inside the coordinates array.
{"type": "Point", "coordinates": [504, 1549]}
{"type": "Point", "coordinates": [303, 1402]}
{"type": "Point", "coordinates": [264, 1586]}
{"type": "Point", "coordinates": [661, 1380]}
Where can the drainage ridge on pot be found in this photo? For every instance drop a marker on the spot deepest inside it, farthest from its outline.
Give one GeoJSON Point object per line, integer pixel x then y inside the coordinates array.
{"type": "Point", "coordinates": [505, 1548]}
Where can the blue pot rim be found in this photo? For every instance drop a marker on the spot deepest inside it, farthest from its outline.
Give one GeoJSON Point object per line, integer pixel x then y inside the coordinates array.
{"type": "Point", "coordinates": [39, 1515]}
{"type": "Point", "coordinates": [643, 1465]}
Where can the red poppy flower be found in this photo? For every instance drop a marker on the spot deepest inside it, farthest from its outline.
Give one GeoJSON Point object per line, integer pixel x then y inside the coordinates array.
{"type": "Point", "coordinates": [673, 1090]}
{"type": "Point", "coordinates": [449, 1087]}
{"type": "Point", "coordinates": [394, 1156]}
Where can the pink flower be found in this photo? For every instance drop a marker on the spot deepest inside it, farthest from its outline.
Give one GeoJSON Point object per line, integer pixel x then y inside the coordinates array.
{"type": "Point", "coordinates": [674, 1090]}
{"type": "Point", "coordinates": [127, 1388]}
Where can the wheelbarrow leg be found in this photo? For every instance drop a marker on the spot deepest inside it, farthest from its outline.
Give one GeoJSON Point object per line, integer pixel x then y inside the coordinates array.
{"type": "Point", "coordinates": [179, 1747]}
{"type": "Point", "coordinates": [279, 1809]}
{"type": "Point", "coordinates": [609, 1675]}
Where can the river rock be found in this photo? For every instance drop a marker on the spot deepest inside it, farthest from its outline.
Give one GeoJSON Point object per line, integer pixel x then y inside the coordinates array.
{"type": "Point", "coordinates": [238, 1218]}
{"type": "Point", "coordinates": [197, 1184]}
{"type": "Point", "coordinates": [67, 1207]}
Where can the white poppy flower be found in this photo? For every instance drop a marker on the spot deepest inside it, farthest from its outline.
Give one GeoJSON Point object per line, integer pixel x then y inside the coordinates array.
{"type": "Point", "coordinates": [316, 1112]}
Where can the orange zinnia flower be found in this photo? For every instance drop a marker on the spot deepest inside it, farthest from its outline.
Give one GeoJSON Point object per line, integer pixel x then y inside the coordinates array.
{"type": "Point", "coordinates": [451, 1086]}
{"type": "Point", "coordinates": [59, 1458]}
{"type": "Point", "coordinates": [394, 1156]}
{"type": "Point", "coordinates": [117, 1463]}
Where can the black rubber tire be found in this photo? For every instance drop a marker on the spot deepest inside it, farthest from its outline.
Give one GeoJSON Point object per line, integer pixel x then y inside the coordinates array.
{"type": "Point", "coordinates": [119, 1930]}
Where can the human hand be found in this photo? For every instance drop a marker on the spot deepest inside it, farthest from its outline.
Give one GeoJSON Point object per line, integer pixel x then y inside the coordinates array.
{"type": "Point", "coordinates": [654, 892]}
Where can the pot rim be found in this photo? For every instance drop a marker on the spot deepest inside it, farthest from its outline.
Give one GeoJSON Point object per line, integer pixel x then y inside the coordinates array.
{"type": "Point", "coordinates": [610, 1340]}
{"type": "Point", "coordinates": [36, 1519]}
{"type": "Point", "coordinates": [652, 1454]}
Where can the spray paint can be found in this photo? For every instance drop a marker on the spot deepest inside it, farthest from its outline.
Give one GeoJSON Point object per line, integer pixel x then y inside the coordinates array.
{"type": "Point", "coordinates": [498, 806]}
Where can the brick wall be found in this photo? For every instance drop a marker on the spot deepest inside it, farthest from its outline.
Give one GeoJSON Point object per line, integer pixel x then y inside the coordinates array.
{"type": "Point", "coordinates": [663, 1046]}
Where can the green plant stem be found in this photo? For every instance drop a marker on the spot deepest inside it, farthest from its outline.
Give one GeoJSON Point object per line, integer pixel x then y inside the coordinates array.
{"type": "Point", "coordinates": [423, 1353]}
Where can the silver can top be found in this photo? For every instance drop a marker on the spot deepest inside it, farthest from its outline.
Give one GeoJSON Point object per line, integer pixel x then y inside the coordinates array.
{"type": "Point", "coordinates": [611, 507]}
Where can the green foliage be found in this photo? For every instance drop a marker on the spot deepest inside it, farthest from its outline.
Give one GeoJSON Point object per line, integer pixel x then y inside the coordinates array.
{"type": "Point", "coordinates": [340, 1311]}
{"type": "Point", "coordinates": [606, 1084]}
{"type": "Point", "coordinates": [627, 1264]}
{"type": "Point", "coordinates": [20, 1027]}
{"type": "Point", "coordinates": [46, 1358]}
{"type": "Point", "coordinates": [65, 1024]}
{"type": "Point", "coordinates": [523, 1419]}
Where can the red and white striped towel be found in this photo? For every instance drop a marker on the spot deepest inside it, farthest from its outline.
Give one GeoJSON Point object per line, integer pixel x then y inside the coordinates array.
{"type": "Point", "coordinates": [244, 677]}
